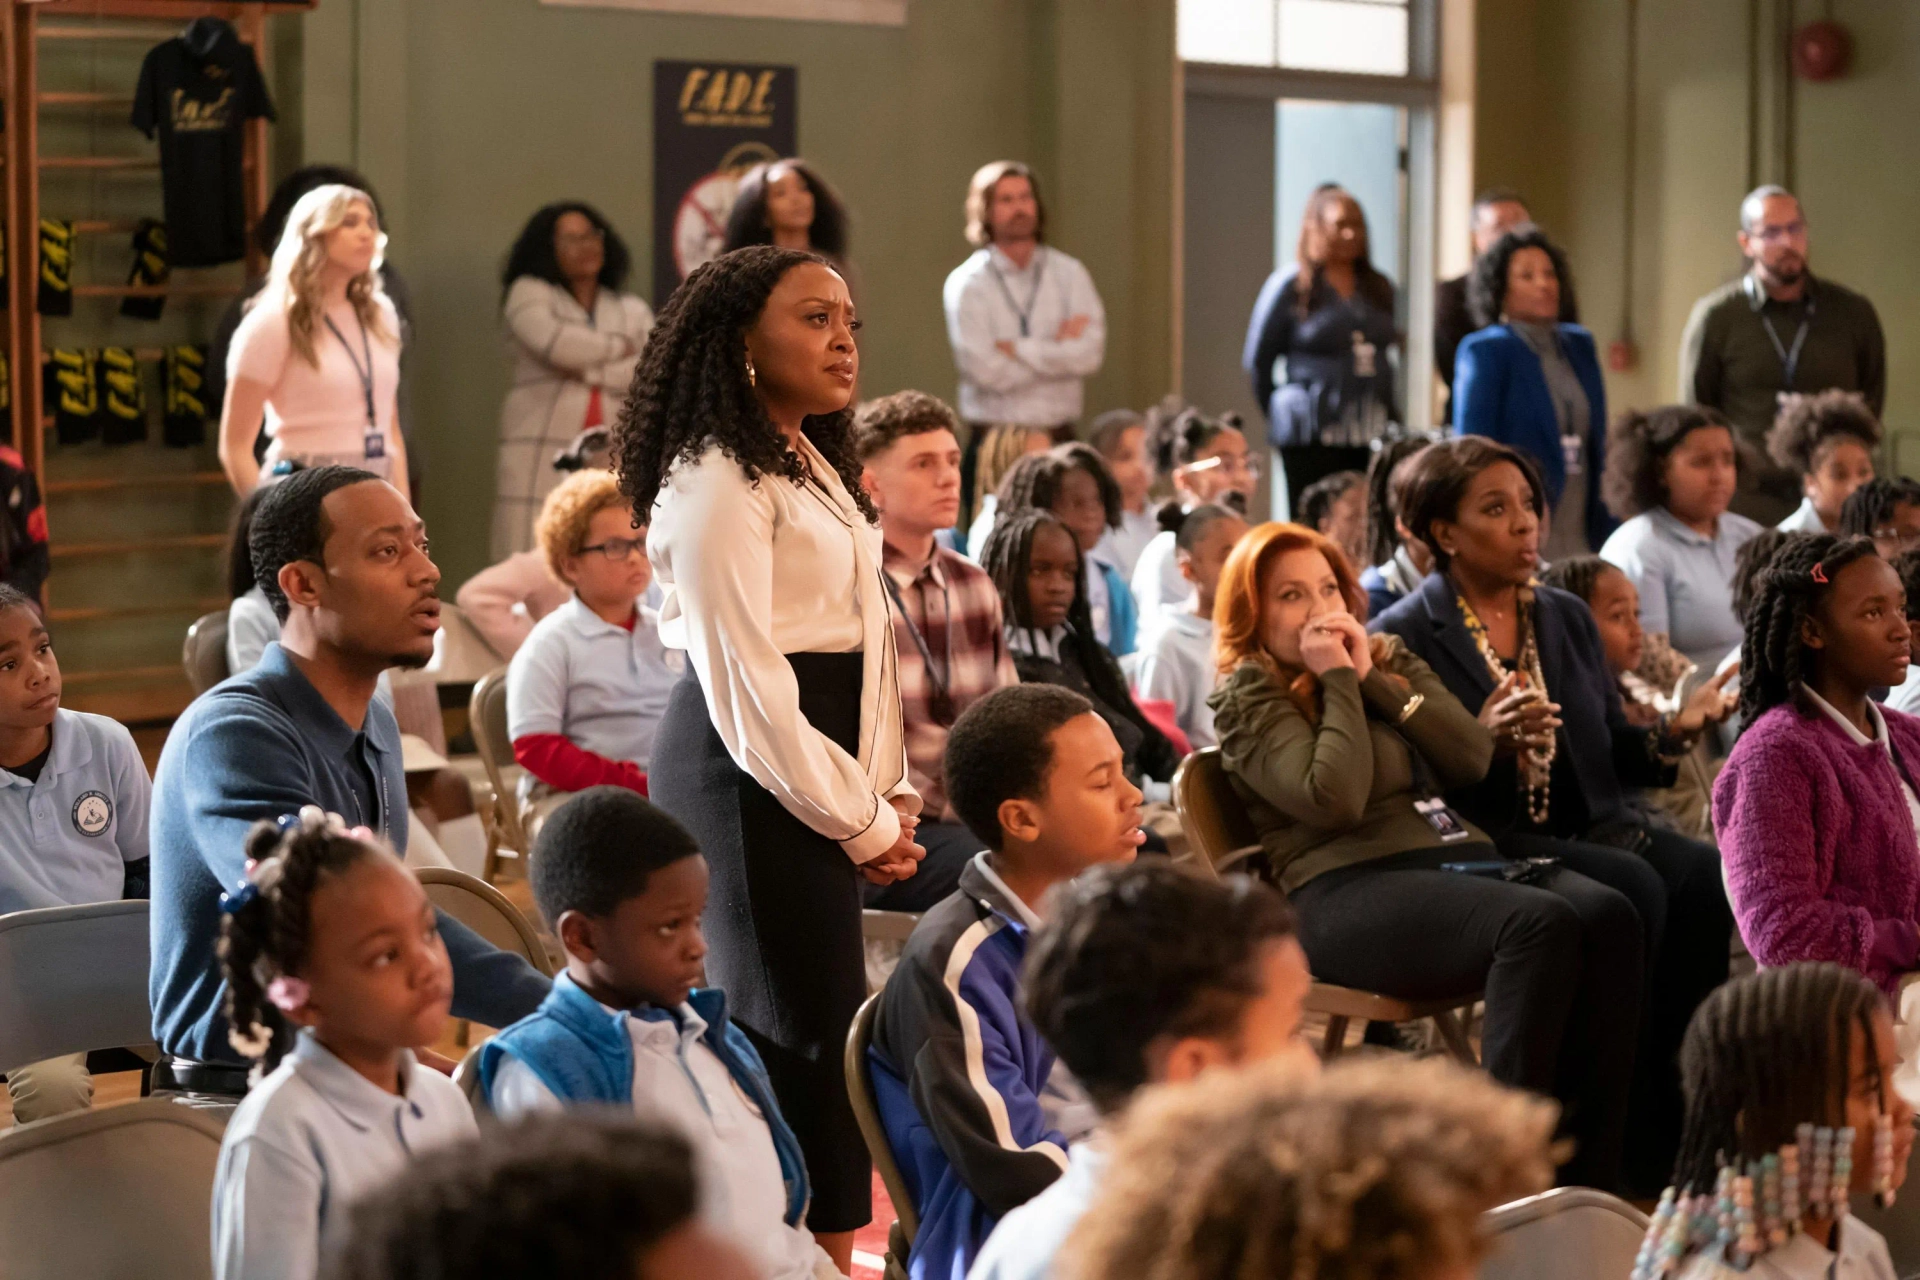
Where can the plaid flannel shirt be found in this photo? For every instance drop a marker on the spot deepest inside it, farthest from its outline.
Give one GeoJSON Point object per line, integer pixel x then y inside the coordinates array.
{"type": "Point", "coordinates": [957, 611]}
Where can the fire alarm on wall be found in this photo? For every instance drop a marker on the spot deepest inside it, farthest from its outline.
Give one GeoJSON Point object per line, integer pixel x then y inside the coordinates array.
{"type": "Point", "coordinates": [1821, 50]}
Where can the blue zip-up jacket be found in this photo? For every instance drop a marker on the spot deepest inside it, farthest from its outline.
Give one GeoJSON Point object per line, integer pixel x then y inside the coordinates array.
{"type": "Point", "coordinates": [958, 1074]}
{"type": "Point", "coordinates": [1123, 614]}
{"type": "Point", "coordinates": [583, 1054]}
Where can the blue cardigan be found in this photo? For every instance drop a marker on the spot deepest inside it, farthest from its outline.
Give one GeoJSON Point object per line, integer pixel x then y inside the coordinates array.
{"type": "Point", "coordinates": [1500, 391]}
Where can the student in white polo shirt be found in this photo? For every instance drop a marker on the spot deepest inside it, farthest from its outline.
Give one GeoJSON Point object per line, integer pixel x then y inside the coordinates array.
{"type": "Point", "coordinates": [73, 819]}
{"type": "Point", "coordinates": [586, 691]}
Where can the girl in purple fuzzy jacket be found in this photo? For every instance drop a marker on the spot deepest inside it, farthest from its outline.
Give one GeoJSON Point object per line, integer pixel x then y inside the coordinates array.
{"type": "Point", "coordinates": [1817, 808]}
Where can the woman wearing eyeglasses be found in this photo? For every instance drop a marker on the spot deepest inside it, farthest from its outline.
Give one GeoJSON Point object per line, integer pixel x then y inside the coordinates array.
{"type": "Point", "coordinates": [575, 338]}
{"type": "Point", "coordinates": [586, 691]}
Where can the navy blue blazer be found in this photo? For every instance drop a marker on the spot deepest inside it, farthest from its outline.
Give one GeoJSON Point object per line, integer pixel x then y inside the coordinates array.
{"type": "Point", "coordinates": [1500, 391]}
{"type": "Point", "coordinates": [1599, 751]}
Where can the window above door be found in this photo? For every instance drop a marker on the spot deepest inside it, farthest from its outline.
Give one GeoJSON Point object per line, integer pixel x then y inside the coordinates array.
{"type": "Point", "coordinates": [1359, 37]}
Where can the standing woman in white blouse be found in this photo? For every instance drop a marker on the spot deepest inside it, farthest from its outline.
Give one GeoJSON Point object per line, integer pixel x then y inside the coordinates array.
{"type": "Point", "coordinates": [575, 336]}
{"type": "Point", "coordinates": [782, 749]}
{"type": "Point", "coordinates": [318, 350]}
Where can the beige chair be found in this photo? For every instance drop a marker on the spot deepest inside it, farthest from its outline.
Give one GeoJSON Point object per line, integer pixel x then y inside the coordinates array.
{"type": "Point", "coordinates": [72, 979]}
{"type": "Point", "coordinates": [485, 910]}
{"type": "Point", "coordinates": [1222, 836]}
{"type": "Point", "coordinates": [467, 1076]}
{"type": "Point", "coordinates": [205, 653]}
{"type": "Point", "coordinates": [487, 716]}
{"type": "Point", "coordinates": [1570, 1233]}
{"type": "Point", "coordinates": [867, 1114]}
{"type": "Point", "coordinates": [119, 1193]}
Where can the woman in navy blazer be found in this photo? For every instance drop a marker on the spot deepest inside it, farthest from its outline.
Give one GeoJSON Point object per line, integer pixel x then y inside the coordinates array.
{"type": "Point", "coordinates": [1534, 384]}
{"type": "Point", "coordinates": [1563, 746]}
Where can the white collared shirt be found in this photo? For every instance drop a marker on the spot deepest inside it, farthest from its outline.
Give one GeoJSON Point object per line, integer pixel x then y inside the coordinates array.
{"type": "Point", "coordinates": [1122, 546]}
{"type": "Point", "coordinates": [1803, 520]}
{"type": "Point", "coordinates": [1157, 579]}
{"type": "Point", "coordinates": [1862, 1255]}
{"type": "Point", "coordinates": [1176, 665]}
{"type": "Point", "coordinates": [305, 1143]}
{"type": "Point", "coordinates": [1040, 384]}
{"type": "Point", "coordinates": [67, 839]}
{"type": "Point", "coordinates": [1880, 739]}
{"type": "Point", "coordinates": [677, 1079]}
{"type": "Point", "coordinates": [603, 687]}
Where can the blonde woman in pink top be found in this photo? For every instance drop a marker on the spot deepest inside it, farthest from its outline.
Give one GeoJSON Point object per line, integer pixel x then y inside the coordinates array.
{"type": "Point", "coordinates": [318, 352]}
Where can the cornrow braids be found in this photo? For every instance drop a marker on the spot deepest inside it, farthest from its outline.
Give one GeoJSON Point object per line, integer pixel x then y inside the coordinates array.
{"type": "Point", "coordinates": [1007, 557]}
{"type": "Point", "coordinates": [1765, 1057]}
{"type": "Point", "coordinates": [1382, 538]}
{"type": "Point", "coordinates": [1773, 661]}
{"type": "Point", "coordinates": [265, 929]}
{"type": "Point", "coordinates": [691, 388]}
{"type": "Point", "coordinates": [1577, 574]}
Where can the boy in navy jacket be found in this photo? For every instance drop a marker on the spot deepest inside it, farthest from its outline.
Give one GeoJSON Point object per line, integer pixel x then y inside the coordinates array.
{"type": "Point", "coordinates": [960, 1077]}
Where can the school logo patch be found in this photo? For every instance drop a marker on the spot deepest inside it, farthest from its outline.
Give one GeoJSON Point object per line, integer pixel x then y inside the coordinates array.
{"type": "Point", "coordinates": [92, 812]}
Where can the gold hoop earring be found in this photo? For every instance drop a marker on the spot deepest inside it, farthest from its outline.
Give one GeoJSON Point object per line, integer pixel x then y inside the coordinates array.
{"type": "Point", "coordinates": [753, 379]}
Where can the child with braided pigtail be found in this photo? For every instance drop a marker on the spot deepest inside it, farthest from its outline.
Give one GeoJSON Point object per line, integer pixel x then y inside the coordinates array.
{"type": "Point", "coordinates": [1817, 807]}
{"type": "Point", "coordinates": [1790, 1109]}
{"type": "Point", "coordinates": [334, 970]}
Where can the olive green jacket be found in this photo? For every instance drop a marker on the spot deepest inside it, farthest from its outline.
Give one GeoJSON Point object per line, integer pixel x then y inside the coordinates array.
{"type": "Point", "coordinates": [1342, 791]}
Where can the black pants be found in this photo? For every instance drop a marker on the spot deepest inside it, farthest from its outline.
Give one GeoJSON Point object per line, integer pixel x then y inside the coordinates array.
{"type": "Point", "coordinates": [1306, 463]}
{"type": "Point", "coordinates": [782, 923]}
{"type": "Point", "coordinates": [1689, 927]}
{"type": "Point", "coordinates": [950, 846]}
{"type": "Point", "coordinates": [1560, 961]}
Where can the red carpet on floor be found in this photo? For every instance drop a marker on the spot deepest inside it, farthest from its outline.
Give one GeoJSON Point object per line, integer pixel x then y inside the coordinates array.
{"type": "Point", "coordinates": [870, 1242]}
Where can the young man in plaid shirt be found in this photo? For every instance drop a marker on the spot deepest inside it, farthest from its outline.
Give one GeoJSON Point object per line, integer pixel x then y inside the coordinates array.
{"type": "Point", "coordinates": [946, 619]}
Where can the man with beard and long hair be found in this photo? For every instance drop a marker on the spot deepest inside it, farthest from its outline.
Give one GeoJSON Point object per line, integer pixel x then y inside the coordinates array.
{"type": "Point", "coordinates": [1777, 329]}
{"type": "Point", "coordinates": [342, 558]}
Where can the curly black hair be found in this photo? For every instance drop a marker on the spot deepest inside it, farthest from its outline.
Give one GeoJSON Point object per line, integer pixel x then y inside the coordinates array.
{"type": "Point", "coordinates": [1036, 480]}
{"type": "Point", "coordinates": [1177, 440]}
{"type": "Point", "coordinates": [1638, 446]}
{"type": "Point", "coordinates": [1774, 666]}
{"type": "Point", "coordinates": [747, 223]}
{"type": "Point", "coordinates": [1807, 425]}
{"type": "Point", "coordinates": [1139, 953]}
{"type": "Point", "coordinates": [533, 253]}
{"type": "Point", "coordinates": [582, 1194]}
{"type": "Point", "coordinates": [1873, 504]}
{"type": "Point", "coordinates": [691, 389]}
{"type": "Point", "coordinates": [600, 849]}
{"type": "Point", "coordinates": [268, 936]}
{"type": "Point", "coordinates": [1487, 285]}
{"type": "Point", "coordinates": [1384, 497]}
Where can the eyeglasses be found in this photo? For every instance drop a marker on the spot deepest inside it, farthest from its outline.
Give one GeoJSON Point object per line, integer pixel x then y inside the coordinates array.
{"type": "Point", "coordinates": [1232, 464]}
{"type": "Point", "coordinates": [576, 239]}
{"type": "Point", "coordinates": [1901, 539]}
{"type": "Point", "coordinates": [1771, 231]}
{"type": "Point", "coordinates": [618, 548]}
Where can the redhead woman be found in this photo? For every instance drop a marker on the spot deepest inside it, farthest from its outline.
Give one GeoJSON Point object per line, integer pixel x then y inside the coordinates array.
{"type": "Point", "coordinates": [782, 748]}
{"type": "Point", "coordinates": [1341, 744]}
{"type": "Point", "coordinates": [318, 351]}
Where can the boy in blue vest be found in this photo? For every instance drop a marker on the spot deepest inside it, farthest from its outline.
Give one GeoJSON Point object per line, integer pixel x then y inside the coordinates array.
{"type": "Point", "coordinates": [974, 1111]}
{"type": "Point", "coordinates": [624, 886]}
{"type": "Point", "coordinates": [74, 796]}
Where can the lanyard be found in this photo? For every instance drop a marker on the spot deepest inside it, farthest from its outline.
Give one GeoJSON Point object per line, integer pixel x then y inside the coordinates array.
{"type": "Point", "coordinates": [939, 678]}
{"type": "Point", "coordinates": [1039, 275]}
{"type": "Point", "coordinates": [1789, 357]}
{"type": "Point", "coordinates": [365, 374]}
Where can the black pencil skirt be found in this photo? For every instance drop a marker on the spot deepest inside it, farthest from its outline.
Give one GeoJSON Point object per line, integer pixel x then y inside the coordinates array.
{"type": "Point", "coordinates": [782, 922]}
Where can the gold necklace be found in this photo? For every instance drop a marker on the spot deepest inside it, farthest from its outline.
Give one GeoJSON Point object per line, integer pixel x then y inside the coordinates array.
{"type": "Point", "coordinates": [1535, 773]}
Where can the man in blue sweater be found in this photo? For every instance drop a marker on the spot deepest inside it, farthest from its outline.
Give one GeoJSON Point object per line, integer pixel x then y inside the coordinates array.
{"type": "Point", "coordinates": [343, 559]}
{"type": "Point", "coordinates": [974, 1110]}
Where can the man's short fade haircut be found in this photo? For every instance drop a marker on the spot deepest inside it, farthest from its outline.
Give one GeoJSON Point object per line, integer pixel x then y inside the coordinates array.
{"type": "Point", "coordinates": [1001, 748]}
{"type": "Point", "coordinates": [1133, 954]}
{"type": "Point", "coordinates": [878, 423]}
{"type": "Point", "coordinates": [290, 524]}
{"type": "Point", "coordinates": [579, 1194]}
{"type": "Point", "coordinates": [599, 849]}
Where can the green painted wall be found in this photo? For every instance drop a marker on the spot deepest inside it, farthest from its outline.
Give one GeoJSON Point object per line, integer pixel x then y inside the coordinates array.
{"type": "Point", "coordinates": [1551, 120]}
{"type": "Point", "coordinates": [467, 116]}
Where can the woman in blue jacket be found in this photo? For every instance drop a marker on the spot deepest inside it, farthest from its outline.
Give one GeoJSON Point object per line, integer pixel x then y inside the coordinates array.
{"type": "Point", "coordinates": [1534, 384]}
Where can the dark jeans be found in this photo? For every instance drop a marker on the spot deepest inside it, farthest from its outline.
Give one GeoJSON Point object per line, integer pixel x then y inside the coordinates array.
{"type": "Point", "coordinates": [1560, 961]}
{"type": "Point", "coordinates": [949, 847]}
{"type": "Point", "coordinates": [1676, 888]}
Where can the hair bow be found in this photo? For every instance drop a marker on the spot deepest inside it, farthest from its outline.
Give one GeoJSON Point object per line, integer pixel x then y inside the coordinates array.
{"type": "Point", "coordinates": [1819, 573]}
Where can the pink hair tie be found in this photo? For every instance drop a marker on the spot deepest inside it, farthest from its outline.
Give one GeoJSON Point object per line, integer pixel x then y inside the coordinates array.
{"type": "Point", "coordinates": [288, 995]}
{"type": "Point", "coordinates": [1820, 574]}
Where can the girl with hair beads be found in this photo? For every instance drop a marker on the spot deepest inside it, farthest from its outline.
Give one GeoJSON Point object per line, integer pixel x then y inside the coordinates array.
{"type": "Point", "coordinates": [1816, 808]}
{"type": "Point", "coordinates": [327, 934]}
{"type": "Point", "coordinates": [1790, 1108]}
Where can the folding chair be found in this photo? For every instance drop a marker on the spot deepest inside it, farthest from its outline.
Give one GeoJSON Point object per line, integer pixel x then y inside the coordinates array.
{"type": "Point", "coordinates": [204, 655]}
{"type": "Point", "coordinates": [1569, 1233]}
{"type": "Point", "coordinates": [867, 1114]}
{"type": "Point", "coordinates": [1222, 835]}
{"type": "Point", "coordinates": [116, 1193]}
{"type": "Point", "coordinates": [467, 1076]}
{"type": "Point", "coordinates": [487, 717]}
{"type": "Point", "coordinates": [485, 910]}
{"type": "Point", "coordinates": [72, 979]}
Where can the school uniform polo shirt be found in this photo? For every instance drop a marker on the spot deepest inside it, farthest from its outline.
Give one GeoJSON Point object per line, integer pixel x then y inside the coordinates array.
{"type": "Point", "coordinates": [68, 838]}
{"type": "Point", "coordinates": [602, 687]}
{"type": "Point", "coordinates": [1685, 579]}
